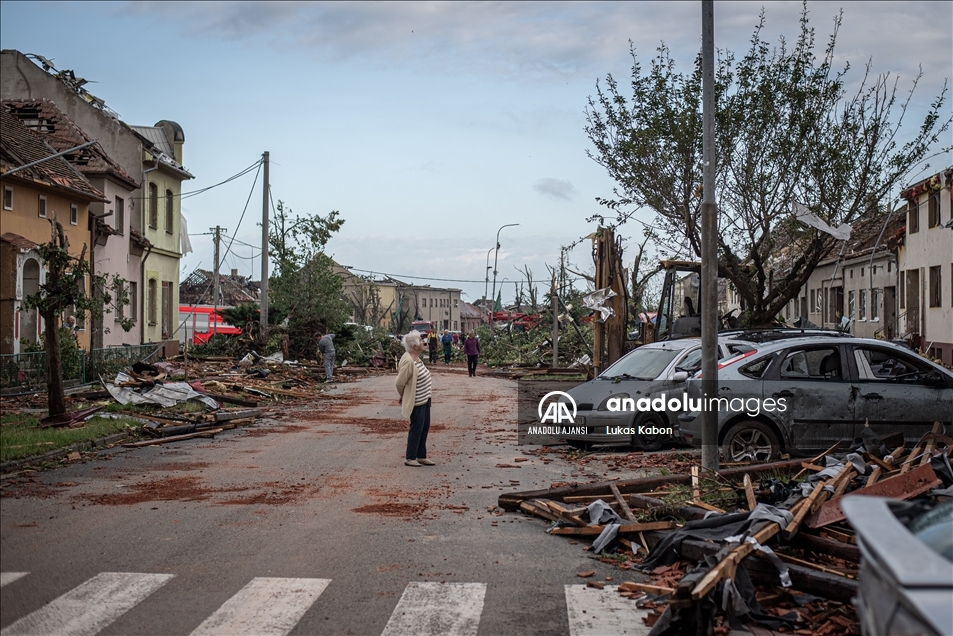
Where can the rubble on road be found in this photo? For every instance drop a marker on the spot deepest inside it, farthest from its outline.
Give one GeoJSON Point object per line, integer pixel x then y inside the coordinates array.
{"type": "Point", "coordinates": [764, 546]}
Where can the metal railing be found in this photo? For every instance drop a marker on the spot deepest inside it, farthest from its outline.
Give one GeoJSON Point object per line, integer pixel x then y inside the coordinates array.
{"type": "Point", "coordinates": [27, 371]}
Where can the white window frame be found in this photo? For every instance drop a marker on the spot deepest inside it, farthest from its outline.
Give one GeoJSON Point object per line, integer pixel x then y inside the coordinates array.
{"type": "Point", "coordinates": [73, 214]}
{"type": "Point", "coordinates": [42, 206]}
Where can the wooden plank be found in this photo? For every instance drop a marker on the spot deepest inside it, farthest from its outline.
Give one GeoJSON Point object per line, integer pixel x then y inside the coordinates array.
{"type": "Point", "coordinates": [624, 529]}
{"type": "Point", "coordinates": [175, 438]}
{"type": "Point", "coordinates": [633, 586]}
{"type": "Point", "coordinates": [626, 511]}
{"type": "Point", "coordinates": [225, 416]}
{"type": "Point", "coordinates": [908, 463]}
{"type": "Point", "coordinates": [874, 476]}
{"type": "Point", "coordinates": [808, 503]}
{"type": "Point", "coordinates": [538, 510]}
{"type": "Point", "coordinates": [511, 500]}
{"type": "Point", "coordinates": [749, 492]}
{"type": "Point", "coordinates": [696, 491]}
{"type": "Point", "coordinates": [819, 458]}
{"type": "Point", "coordinates": [726, 567]}
{"type": "Point", "coordinates": [823, 545]}
{"type": "Point", "coordinates": [228, 399]}
{"type": "Point", "coordinates": [706, 506]}
{"type": "Point", "coordinates": [931, 445]}
{"type": "Point", "coordinates": [812, 467]}
{"type": "Point", "coordinates": [837, 535]}
{"type": "Point", "coordinates": [902, 486]}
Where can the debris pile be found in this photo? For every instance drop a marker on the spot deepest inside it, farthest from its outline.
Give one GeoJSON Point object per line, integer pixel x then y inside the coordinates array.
{"type": "Point", "coordinates": [765, 546]}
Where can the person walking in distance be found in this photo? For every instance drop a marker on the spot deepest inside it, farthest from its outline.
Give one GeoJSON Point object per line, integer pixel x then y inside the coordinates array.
{"type": "Point", "coordinates": [415, 388]}
{"type": "Point", "coordinates": [471, 348]}
{"type": "Point", "coordinates": [326, 348]}
{"type": "Point", "coordinates": [432, 346]}
{"type": "Point", "coordinates": [447, 341]}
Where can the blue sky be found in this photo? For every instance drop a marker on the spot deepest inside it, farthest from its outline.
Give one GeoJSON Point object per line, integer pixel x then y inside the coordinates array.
{"type": "Point", "coordinates": [427, 125]}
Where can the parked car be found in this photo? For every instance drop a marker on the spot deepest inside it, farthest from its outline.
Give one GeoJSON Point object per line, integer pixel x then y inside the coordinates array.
{"type": "Point", "coordinates": [906, 570]}
{"type": "Point", "coordinates": [830, 387]}
{"type": "Point", "coordinates": [646, 372]}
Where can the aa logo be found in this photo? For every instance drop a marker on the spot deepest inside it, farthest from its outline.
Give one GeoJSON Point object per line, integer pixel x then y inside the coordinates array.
{"type": "Point", "coordinates": [556, 412]}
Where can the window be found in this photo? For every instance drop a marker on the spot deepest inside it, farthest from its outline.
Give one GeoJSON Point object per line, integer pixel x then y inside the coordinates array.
{"type": "Point", "coordinates": [168, 211]}
{"type": "Point", "coordinates": [757, 368]}
{"type": "Point", "coordinates": [875, 304]}
{"type": "Point", "coordinates": [119, 215]}
{"type": "Point", "coordinates": [118, 307]}
{"type": "Point", "coordinates": [883, 365]}
{"type": "Point", "coordinates": [933, 210]}
{"type": "Point", "coordinates": [41, 207]}
{"type": "Point", "coordinates": [913, 217]}
{"type": "Point", "coordinates": [862, 307]}
{"type": "Point", "coordinates": [835, 307]}
{"type": "Point", "coordinates": [73, 214]}
{"type": "Point", "coordinates": [153, 302]}
{"type": "Point", "coordinates": [166, 309]}
{"type": "Point", "coordinates": [889, 267]}
{"type": "Point", "coordinates": [153, 206]}
{"type": "Point", "coordinates": [134, 301]}
{"type": "Point", "coordinates": [851, 303]}
{"type": "Point", "coordinates": [936, 293]}
{"type": "Point", "coordinates": [861, 272]}
{"type": "Point", "coordinates": [816, 364]}
{"type": "Point", "coordinates": [7, 198]}
{"type": "Point", "coordinates": [903, 291]}
{"type": "Point", "coordinates": [852, 272]}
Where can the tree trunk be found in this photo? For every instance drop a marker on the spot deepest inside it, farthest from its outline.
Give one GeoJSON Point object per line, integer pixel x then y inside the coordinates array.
{"type": "Point", "coordinates": [56, 399]}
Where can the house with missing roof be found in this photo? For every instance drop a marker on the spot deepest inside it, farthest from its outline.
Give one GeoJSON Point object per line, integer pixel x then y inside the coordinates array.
{"type": "Point", "coordinates": [149, 155]}
{"type": "Point", "coordinates": [112, 250]}
{"type": "Point", "coordinates": [33, 196]}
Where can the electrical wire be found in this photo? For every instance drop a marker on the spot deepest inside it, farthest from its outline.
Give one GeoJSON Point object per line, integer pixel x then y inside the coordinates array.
{"type": "Point", "coordinates": [186, 195]}
{"type": "Point", "coordinates": [442, 280]}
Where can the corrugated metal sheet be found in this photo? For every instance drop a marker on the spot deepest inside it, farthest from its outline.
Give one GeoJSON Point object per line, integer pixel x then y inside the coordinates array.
{"type": "Point", "coordinates": [156, 136]}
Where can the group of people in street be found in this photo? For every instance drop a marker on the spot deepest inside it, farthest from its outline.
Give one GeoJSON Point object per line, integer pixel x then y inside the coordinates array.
{"type": "Point", "coordinates": [471, 348]}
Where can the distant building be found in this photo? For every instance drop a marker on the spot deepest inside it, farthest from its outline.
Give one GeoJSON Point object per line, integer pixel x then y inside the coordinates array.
{"type": "Point", "coordinates": [392, 304]}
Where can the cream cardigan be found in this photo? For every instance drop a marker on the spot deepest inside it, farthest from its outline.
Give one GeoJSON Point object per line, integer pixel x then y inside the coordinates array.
{"type": "Point", "coordinates": [407, 384]}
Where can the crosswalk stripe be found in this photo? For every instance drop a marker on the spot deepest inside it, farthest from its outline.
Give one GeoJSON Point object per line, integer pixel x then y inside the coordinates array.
{"type": "Point", "coordinates": [594, 612]}
{"type": "Point", "coordinates": [89, 607]}
{"type": "Point", "coordinates": [264, 607]}
{"type": "Point", "coordinates": [6, 578]}
{"type": "Point", "coordinates": [429, 609]}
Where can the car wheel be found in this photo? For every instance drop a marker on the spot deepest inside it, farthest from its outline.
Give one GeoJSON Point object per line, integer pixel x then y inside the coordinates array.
{"type": "Point", "coordinates": [750, 441]}
{"type": "Point", "coordinates": [650, 442]}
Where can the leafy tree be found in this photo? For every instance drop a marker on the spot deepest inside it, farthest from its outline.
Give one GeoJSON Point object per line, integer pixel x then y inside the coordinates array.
{"type": "Point", "coordinates": [63, 289]}
{"type": "Point", "coordinates": [786, 131]}
{"type": "Point", "coordinates": [304, 287]}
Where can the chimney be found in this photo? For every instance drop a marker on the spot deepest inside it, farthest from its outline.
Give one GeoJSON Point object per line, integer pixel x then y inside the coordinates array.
{"type": "Point", "coordinates": [234, 273]}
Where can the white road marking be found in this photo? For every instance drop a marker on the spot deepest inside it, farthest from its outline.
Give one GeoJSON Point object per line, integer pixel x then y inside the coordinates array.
{"type": "Point", "coordinates": [603, 612]}
{"type": "Point", "coordinates": [429, 609]}
{"type": "Point", "coordinates": [264, 607]}
{"type": "Point", "coordinates": [89, 607]}
{"type": "Point", "coordinates": [6, 578]}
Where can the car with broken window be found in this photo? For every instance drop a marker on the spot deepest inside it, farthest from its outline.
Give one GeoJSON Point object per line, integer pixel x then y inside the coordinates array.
{"type": "Point", "coordinates": [646, 373]}
{"type": "Point", "coordinates": [805, 394]}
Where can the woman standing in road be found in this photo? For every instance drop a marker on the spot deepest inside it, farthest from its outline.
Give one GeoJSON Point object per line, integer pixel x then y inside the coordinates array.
{"type": "Point", "coordinates": [415, 388]}
{"type": "Point", "coordinates": [471, 347]}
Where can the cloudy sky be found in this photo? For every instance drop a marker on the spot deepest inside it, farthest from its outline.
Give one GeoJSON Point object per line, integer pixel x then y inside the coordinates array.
{"type": "Point", "coordinates": [427, 125]}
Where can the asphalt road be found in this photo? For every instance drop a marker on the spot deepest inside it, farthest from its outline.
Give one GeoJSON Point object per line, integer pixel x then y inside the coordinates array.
{"type": "Point", "coordinates": [307, 523]}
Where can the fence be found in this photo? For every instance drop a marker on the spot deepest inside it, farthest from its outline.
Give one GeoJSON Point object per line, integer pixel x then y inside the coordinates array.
{"type": "Point", "coordinates": [27, 371]}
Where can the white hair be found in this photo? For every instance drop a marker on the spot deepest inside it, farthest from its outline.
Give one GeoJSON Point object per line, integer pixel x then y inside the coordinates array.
{"type": "Point", "coordinates": [412, 341]}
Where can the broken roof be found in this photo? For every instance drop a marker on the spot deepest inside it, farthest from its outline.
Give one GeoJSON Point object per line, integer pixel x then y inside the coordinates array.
{"type": "Point", "coordinates": [156, 142]}
{"type": "Point", "coordinates": [20, 146]}
{"type": "Point", "coordinates": [43, 117]}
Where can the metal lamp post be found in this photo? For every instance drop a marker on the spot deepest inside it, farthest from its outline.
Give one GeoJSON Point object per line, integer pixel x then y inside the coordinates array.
{"type": "Point", "coordinates": [486, 286]}
{"type": "Point", "coordinates": [495, 258]}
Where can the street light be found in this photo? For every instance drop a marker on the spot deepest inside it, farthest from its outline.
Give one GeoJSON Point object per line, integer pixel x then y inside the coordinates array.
{"type": "Point", "coordinates": [495, 257]}
{"type": "Point", "coordinates": [486, 286]}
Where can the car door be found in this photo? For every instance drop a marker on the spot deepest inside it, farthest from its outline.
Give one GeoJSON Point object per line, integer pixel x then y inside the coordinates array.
{"type": "Point", "coordinates": [815, 385]}
{"type": "Point", "coordinates": [896, 391]}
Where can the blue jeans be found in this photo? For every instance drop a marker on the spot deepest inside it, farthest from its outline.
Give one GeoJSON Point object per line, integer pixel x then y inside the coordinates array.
{"type": "Point", "coordinates": [328, 365]}
{"type": "Point", "coordinates": [446, 354]}
{"type": "Point", "coordinates": [417, 436]}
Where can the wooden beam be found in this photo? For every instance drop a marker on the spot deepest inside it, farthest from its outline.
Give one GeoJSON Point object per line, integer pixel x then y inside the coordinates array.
{"type": "Point", "coordinates": [624, 529]}
{"type": "Point", "coordinates": [175, 438]}
{"type": "Point", "coordinates": [749, 492]}
{"type": "Point", "coordinates": [626, 511]}
{"type": "Point", "coordinates": [726, 567]}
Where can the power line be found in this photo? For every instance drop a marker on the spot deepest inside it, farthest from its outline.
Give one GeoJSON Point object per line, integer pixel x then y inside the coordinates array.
{"type": "Point", "coordinates": [442, 280]}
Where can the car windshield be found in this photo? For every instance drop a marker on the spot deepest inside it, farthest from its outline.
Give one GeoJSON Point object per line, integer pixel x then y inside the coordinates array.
{"type": "Point", "coordinates": [641, 364]}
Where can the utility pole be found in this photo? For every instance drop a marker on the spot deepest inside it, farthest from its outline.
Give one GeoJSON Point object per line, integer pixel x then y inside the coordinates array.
{"type": "Point", "coordinates": [709, 273]}
{"type": "Point", "coordinates": [217, 292]}
{"type": "Point", "coordinates": [264, 250]}
{"type": "Point", "coordinates": [555, 309]}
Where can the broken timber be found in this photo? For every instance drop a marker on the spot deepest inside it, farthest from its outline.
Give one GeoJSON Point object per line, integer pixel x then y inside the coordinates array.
{"type": "Point", "coordinates": [623, 529]}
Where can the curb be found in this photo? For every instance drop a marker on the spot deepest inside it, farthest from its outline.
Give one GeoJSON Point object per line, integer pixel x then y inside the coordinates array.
{"type": "Point", "coordinates": [17, 464]}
